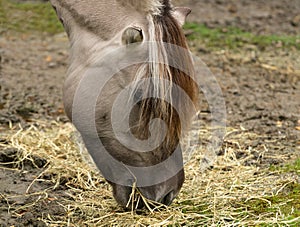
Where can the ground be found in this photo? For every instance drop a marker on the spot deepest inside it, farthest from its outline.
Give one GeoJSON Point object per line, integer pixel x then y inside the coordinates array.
{"type": "Point", "coordinates": [252, 48]}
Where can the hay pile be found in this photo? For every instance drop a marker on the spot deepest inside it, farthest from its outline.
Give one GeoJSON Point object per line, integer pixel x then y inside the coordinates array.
{"type": "Point", "coordinates": [227, 195]}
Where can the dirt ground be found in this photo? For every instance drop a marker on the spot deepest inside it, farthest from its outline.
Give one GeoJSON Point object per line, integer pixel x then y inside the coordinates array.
{"type": "Point", "coordinates": [261, 89]}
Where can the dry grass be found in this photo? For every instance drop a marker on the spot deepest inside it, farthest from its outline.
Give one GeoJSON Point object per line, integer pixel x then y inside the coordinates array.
{"type": "Point", "coordinates": [222, 196]}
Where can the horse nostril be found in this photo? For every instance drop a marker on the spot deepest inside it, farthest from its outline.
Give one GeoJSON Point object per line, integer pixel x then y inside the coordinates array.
{"type": "Point", "coordinates": [168, 199]}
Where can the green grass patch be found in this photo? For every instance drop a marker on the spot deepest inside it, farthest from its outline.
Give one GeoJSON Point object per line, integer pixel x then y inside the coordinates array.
{"type": "Point", "coordinates": [28, 17]}
{"type": "Point", "coordinates": [285, 203]}
{"type": "Point", "coordinates": [231, 37]}
{"type": "Point", "coordinates": [291, 167]}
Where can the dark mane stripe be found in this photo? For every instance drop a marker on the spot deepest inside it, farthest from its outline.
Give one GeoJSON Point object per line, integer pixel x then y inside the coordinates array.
{"type": "Point", "coordinates": [165, 29]}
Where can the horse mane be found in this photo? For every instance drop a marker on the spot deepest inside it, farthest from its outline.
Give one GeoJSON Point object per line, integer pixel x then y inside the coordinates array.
{"type": "Point", "coordinates": [164, 28]}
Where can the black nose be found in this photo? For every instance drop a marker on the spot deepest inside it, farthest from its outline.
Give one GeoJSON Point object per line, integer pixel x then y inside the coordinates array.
{"type": "Point", "coordinates": [168, 198]}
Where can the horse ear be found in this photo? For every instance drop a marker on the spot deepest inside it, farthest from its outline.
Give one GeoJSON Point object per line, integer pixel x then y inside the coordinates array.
{"type": "Point", "coordinates": [180, 14]}
{"type": "Point", "coordinates": [57, 8]}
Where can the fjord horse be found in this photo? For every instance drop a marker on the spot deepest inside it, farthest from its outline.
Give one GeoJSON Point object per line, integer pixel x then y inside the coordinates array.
{"type": "Point", "coordinates": [97, 28]}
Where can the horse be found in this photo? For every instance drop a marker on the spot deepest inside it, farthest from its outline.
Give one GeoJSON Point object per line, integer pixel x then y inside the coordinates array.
{"type": "Point", "coordinates": [158, 90]}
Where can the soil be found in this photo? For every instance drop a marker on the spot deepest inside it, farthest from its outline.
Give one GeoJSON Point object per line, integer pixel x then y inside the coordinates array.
{"type": "Point", "coordinates": [259, 16]}
{"type": "Point", "coordinates": [261, 89]}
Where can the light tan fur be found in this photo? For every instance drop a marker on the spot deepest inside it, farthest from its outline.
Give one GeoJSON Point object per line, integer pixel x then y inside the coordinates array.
{"type": "Point", "coordinates": [95, 27]}
{"type": "Point", "coordinates": [153, 7]}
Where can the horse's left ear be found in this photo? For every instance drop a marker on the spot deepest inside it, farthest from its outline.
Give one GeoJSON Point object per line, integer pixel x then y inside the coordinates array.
{"type": "Point", "coordinates": [180, 14]}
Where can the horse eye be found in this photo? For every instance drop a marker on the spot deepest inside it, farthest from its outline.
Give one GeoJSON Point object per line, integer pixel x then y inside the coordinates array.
{"type": "Point", "coordinates": [132, 35]}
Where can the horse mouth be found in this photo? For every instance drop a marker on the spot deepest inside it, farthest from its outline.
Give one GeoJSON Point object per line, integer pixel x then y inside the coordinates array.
{"type": "Point", "coordinates": [139, 201]}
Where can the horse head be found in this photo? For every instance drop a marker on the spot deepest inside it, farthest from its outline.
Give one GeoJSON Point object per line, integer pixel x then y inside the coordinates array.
{"type": "Point", "coordinates": [137, 146]}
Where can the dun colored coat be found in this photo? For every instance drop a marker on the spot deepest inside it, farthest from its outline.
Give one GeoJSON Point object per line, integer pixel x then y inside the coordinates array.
{"type": "Point", "coordinates": [98, 27]}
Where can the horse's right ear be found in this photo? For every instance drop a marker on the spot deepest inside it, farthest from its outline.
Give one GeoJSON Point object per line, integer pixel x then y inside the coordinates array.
{"type": "Point", "coordinates": [58, 9]}
{"type": "Point", "coordinates": [180, 14]}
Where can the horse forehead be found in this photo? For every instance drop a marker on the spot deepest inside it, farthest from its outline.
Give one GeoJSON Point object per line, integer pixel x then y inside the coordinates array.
{"type": "Point", "coordinates": [102, 16]}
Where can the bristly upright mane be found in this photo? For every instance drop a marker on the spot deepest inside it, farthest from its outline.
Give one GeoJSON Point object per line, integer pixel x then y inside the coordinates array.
{"type": "Point", "coordinates": [164, 28]}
